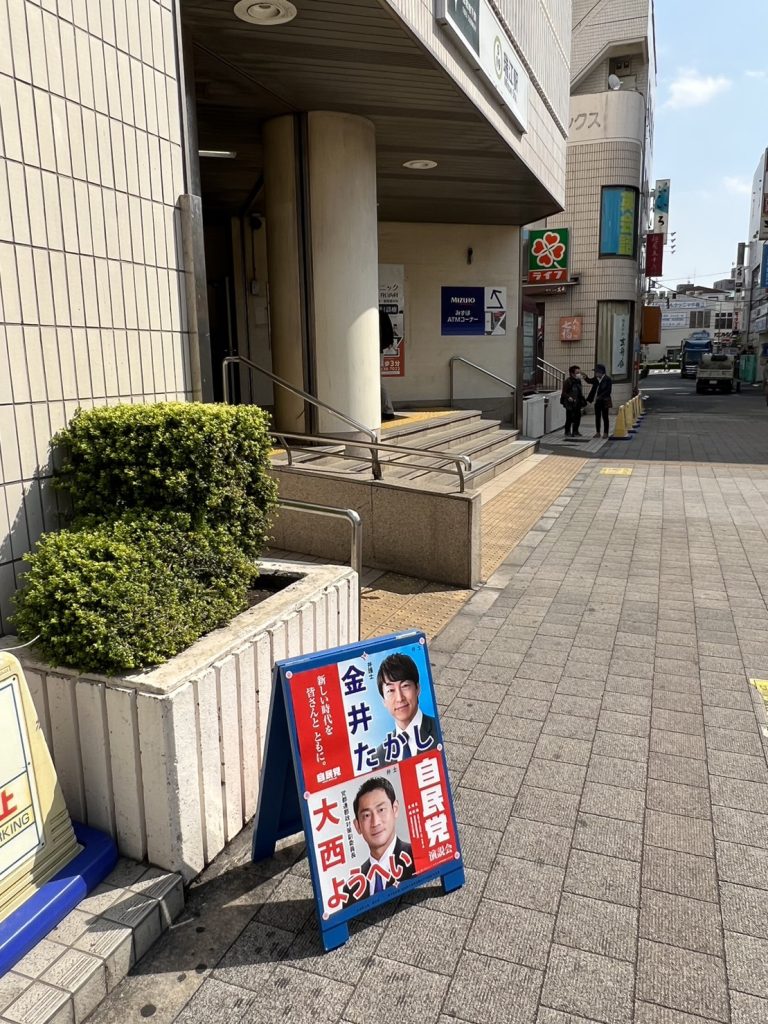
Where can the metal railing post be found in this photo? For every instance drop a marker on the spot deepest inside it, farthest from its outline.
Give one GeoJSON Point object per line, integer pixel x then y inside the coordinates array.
{"type": "Point", "coordinates": [356, 546]}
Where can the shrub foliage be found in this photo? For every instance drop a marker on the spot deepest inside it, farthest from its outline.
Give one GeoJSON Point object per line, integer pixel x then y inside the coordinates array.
{"type": "Point", "coordinates": [171, 506]}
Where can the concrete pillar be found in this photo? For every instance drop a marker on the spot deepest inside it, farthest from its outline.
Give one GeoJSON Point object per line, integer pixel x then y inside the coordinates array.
{"type": "Point", "coordinates": [320, 186]}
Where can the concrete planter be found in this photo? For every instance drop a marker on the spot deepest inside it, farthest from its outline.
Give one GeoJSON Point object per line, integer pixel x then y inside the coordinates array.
{"type": "Point", "coordinates": [167, 761]}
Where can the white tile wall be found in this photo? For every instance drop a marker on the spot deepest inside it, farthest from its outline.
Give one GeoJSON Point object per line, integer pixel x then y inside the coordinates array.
{"type": "Point", "coordinates": [90, 172]}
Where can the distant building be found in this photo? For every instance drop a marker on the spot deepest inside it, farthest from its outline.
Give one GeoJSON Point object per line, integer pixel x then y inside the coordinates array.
{"type": "Point", "coordinates": [756, 263]}
{"type": "Point", "coordinates": [596, 315]}
{"type": "Point", "coordinates": [693, 308]}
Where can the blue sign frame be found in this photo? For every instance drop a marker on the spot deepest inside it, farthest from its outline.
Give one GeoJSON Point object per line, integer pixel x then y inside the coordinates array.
{"type": "Point", "coordinates": [284, 808]}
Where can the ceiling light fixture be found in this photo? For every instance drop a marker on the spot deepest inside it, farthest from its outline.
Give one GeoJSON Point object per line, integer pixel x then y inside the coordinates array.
{"type": "Point", "coordinates": [420, 165]}
{"type": "Point", "coordinates": [261, 12]}
{"type": "Point", "coordinates": [220, 154]}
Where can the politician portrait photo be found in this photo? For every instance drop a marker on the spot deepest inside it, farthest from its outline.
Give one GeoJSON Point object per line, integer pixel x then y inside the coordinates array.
{"type": "Point", "coordinates": [390, 858]}
{"type": "Point", "coordinates": [413, 731]}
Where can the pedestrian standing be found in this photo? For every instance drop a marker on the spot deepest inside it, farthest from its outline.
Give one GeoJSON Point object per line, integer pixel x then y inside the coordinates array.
{"type": "Point", "coordinates": [572, 398]}
{"type": "Point", "coordinates": [386, 341]}
{"type": "Point", "coordinates": [600, 394]}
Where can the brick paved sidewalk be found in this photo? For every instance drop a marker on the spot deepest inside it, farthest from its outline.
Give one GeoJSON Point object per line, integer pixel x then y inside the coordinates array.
{"type": "Point", "coordinates": [610, 783]}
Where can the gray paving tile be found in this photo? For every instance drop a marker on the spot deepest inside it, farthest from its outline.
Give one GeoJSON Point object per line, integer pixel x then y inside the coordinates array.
{"type": "Point", "coordinates": [493, 810]}
{"type": "Point", "coordinates": [734, 742]}
{"type": "Point", "coordinates": [747, 959]}
{"type": "Point", "coordinates": [487, 777]}
{"type": "Point", "coordinates": [591, 986]}
{"type": "Point", "coordinates": [678, 832]}
{"type": "Point", "coordinates": [737, 700]}
{"type": "Point", "coordinates": [524, 707]}
{"type": "Point", "coordinates": [681, 873]}
{"type": "Point", "coordinates": [424, 938]}
{"type": "Point", "coordinates": [386, 984]}
{"type": "Point", "coordinates": [537, 841]}
{"type": "Point", "coordinates": [580, 687]}
{"type": "Point", "coordinates": [682, 980]}
{"type": "Point", "coordinates": [734, 826]}
{"type": "Point", "coordinates": [688, 701]}
{"type": "Point", "coordinates": [597, 926]}
{"type": "Point", "coordinates": [486, 990]}
{"type": "Point", "coordinates": [746, 1009]}
{"type": "Point", "coordinates": [470, 710]}
{"type": "Point", "coordinates": [557, 775]}
{"type": "Point", "coordinates": [254, 955]}
{"type": "Point", "coordinates": [743, 909]}
{"type": "Point", "coordinates": [478, 846]}
{"type": "Point", "coordinates": [681, 921]}
{"type": "Point", "coordinates": [215, 1001]}
{"type": "Point", "coordinates": [570, 727]}
{"type": "Point", "coordinates": [512, 933]}
{"type": "Point", "coordinates": [628, 703]}
{"type": "Point", "coordinates": [468, 734]}
{"type": "Point", "coordinates": [743, 865]}
{"type": "Point", "coordinates": [601, 877]}
{"type": "Point", "coordinates": [611, 837]}
{"type": "Point", "coordinates": [525, 729]}
{"type": "Point", "coordinates": [461, 902]}
{"type": "Point", "coordinates": [545, 805]}
{"type": "Point", "coordinates": [724, 718]}
{"type": "Point", "coordinates": [651, 1013]}
{"type": "Point", "coordinates": [628, 685]}
{"type": "Point", "coordinates": [613, 801]}
{"type": "Point", "coordinates": [504, 751]}
{"type": "Point", "coordinates": [525, 884]}
{"type": "Point", "coordinates": [738, 766]}
{"type": "Point", "coordinates": [675, 798]}
{"type": "Point", "coordinates": [671, 768]}
{"type": "Point", "coordinates": [550, 1016]}
{"type": "Point", "coordinates": [615, 771]}
{"type": "Point", "coordinates": [345, 964]}
{"type": "Point", "coordinates": [581, 707]}
{"type": "Point", "coordinates": [12, 985]}
{"type": "Point", "coordinates": [623, 724]}
{"type": "Point", "coordinates": [611, 744]}
{"type": "Point", "coordinates": [739, 794]}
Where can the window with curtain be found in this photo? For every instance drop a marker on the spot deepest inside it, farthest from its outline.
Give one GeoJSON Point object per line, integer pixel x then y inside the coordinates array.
{"type": "Point", "coordinates": [615, 333]}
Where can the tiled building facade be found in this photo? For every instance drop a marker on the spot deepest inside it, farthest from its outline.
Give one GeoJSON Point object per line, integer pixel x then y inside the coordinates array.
{"type": "Point", "coordinates": [609, 39]}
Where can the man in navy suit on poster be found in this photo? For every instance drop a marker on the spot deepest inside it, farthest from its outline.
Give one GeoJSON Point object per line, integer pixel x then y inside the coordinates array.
{"type": "Point", "coordinates": [415, 732]}
{"type": "Point", "coordinates": [390, 860]}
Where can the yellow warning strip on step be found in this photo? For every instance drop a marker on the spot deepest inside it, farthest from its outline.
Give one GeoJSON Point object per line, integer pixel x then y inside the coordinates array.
{"type": "Point", "coordinates": [403, 419]}
{"type": "Point", "coordinates": [617, 471]}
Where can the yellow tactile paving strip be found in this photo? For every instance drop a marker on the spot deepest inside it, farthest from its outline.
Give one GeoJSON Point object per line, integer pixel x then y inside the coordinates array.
{"type": "Point", "coordinates": [405, 419]}
{"type": "Point", "coordinates": [396, 602]}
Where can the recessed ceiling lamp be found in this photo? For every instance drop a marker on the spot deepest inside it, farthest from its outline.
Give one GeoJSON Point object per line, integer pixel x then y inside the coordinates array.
{"type": "Point", "coordinates": [265, 12]}
{"type": "Point", "coordinates": [420, 165]}
{"type": "Point", "coordinates": [219, 154]}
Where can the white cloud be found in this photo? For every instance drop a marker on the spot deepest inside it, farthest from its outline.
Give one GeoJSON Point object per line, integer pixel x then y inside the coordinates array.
{"type": "Point", "coordinates": [756, 74]}
{"type": "Point", "coordinates": [739, 186]}
{"type": "Point", "coordinates": [691, 89]}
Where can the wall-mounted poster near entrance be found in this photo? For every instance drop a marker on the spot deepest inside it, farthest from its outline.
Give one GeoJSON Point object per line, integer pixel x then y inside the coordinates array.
{"type": "Point", "coordinates": [354, 757]}
{"type": "Point", "coordinates": [392, 302]}
{"type": "Point", "coordinates": [570, 328]}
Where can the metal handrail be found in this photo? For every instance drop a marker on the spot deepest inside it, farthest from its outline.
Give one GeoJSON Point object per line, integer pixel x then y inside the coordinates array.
{"type": "Point", "coordinates": [230, 360]}
{"type": "Point", "coordinates": [355, 522]}
{"type": "Point", "coordinates": [461, 462]}
{"type": "Point", "coordinates": [481, 369]}
{"type": "Point", "coordinates": [555, 372]}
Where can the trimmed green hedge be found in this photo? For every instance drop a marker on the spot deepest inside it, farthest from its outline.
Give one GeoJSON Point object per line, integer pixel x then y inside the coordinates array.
{"type": "Point", "coordinates": [210, 461]}
{"type": "Point", "coordinates": [171, 508]}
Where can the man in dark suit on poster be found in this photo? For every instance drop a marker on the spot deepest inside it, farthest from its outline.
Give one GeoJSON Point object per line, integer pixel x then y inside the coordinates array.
{"type": "Point", "coordinates": [390, 860]}
{"type": "Point", "coordinates": [415, 732]}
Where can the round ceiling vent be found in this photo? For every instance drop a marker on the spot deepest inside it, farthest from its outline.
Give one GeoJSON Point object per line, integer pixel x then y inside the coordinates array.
{"type": "Point", "coordinates": [420, 165]}
{"type": "Point", "coordinates": [265, 12]}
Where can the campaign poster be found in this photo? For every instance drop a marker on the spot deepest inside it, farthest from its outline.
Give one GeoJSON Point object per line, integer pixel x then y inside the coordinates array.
{"type": "Point", "coordinates": [392, 302]}
{"type": "Point", "coordinates": [378, 811]}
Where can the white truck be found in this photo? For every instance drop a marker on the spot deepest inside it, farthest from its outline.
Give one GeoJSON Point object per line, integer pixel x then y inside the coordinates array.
{"type": "Point", "coordinates": [716, 372]}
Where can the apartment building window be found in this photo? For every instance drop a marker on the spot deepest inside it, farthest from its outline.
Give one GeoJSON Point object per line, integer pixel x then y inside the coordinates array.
{"type": "Point", "coordinates": [618, 222]}
{"type": "Point", "coordinates": [700, 318]}
{"type": "Point", "coordinates": [615, 334]}
{"type": "Point", "coordinates": [723, 321]}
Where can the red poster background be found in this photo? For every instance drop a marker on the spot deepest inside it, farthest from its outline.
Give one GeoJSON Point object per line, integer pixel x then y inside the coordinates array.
{"type": "Point", "coordinates": [333, 736]}
{"type": "Point", "coordinates": [654, 255]}
{"type": "Point", "coordinates": [416, 820]}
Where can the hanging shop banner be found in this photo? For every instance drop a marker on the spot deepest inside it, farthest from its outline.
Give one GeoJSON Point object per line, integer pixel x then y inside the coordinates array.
{"type": "Point", "coordinates": [654, 254]}
{"type": "Point", "coordinates": [354, 757]}
{"type": "Point", "coordinates": [570, 328]}
{"type": "Point", "coordinates": [473, 24]}
{"type": "Point", "coordinates": [620, 345]}
{"type": "Point", "coordinates": [392, 302]}
{"type": "Point", "coordinates": [548, 255]}
{"type": "Point", "coordinates": [473, 311]}
{"type": "Point", "coordinates": [618, 221]}
{"type": "Point", "coordinates": [661, 208]}
{"type": "Point", "coordinates": [764, 268]}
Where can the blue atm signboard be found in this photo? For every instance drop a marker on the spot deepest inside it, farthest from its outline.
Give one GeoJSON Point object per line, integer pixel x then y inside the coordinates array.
{"type": "Point", "coordinates": [471, 311]}
{"type": "Point", "coordinates": [354, 757]}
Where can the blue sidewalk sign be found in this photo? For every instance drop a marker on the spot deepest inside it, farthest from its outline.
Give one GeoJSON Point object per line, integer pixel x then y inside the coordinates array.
{"type": "Point", "coordinates": [354, 758]}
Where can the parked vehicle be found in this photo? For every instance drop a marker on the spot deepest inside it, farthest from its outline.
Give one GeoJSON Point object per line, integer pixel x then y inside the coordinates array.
{"type": "Point", "coordinates": [696, 345]}
{"type": "Point", "coordinates": [716, 372]}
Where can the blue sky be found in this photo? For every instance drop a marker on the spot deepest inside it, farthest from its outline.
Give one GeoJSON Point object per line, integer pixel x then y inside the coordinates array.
{"type": "Point", "coordinates": [711, 95]}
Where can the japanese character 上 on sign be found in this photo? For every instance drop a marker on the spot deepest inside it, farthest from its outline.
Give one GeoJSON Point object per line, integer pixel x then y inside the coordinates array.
{"type": "Point", "coordinates": [547, 255]}
{"type": "Point", "coordinates": [370, 772]}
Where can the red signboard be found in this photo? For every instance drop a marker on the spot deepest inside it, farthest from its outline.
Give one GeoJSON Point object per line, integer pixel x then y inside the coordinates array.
{"type": "Point", "coordinates": [654, 254]}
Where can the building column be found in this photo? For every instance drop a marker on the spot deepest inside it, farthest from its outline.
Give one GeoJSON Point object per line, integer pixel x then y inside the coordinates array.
{"type": "Point", "coordinates": [320, 188]}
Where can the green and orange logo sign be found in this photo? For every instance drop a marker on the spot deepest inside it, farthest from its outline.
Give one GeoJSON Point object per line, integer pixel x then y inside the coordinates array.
{"type": "Point", "coordinates": [548, 256]}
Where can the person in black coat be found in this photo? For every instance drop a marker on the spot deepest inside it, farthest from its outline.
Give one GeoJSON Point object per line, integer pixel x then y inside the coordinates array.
{"type": "Point", "coordinates": [600, 394]}
{"type": "Point", "coordinates": [572, 398]}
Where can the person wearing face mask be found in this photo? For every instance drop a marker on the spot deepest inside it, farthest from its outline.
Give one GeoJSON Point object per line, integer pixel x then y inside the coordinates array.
{"type": "Point", "coordinates": [600, 394]}
{"type": "Point", "coordinates": [572, 399]}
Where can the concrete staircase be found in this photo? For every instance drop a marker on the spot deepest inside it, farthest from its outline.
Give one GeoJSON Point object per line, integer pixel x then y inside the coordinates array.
{"type": "Point", "coordinates": [416, 520]}
{"type": "Point", "coordinates": [491, 446]}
